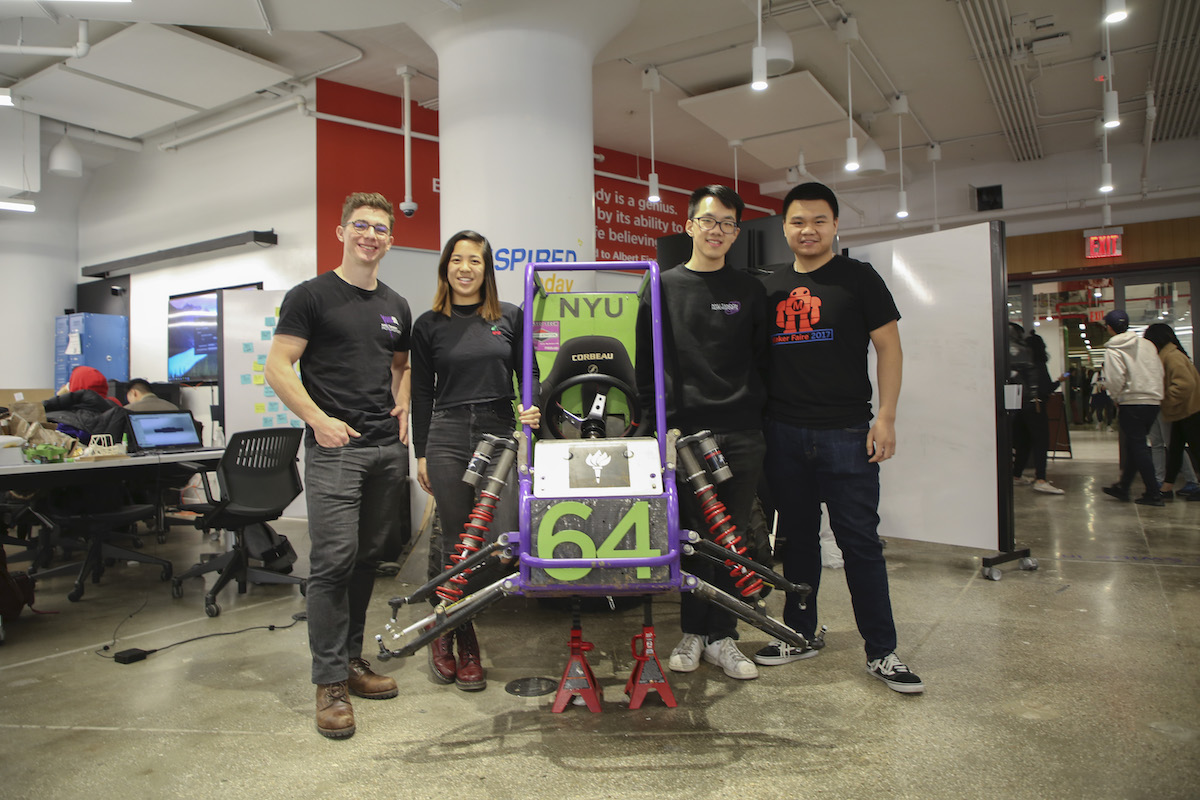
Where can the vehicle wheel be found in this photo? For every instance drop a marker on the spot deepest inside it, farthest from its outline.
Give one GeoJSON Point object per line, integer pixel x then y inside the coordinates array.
{"type": "Point", "coordinates": [1029, 563]}
{"type": "Point", "coordinates": [75, 594]}
{"type": "Point", "coordinates": [177, 589]}
{"type": "Point", "coordinates": [992, 573]}
{"type": "Point", "coordinates": [165, 575]}
{"type": "Point", "coordinates": [212, 609]}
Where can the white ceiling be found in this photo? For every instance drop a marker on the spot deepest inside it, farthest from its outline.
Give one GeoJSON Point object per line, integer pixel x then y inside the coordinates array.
{"type": "Point", "coordinates": [226, 50]}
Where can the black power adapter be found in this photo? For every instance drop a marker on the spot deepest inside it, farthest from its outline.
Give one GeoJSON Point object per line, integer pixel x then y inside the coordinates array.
{"type": "Point", "coordinates": [130, 656]}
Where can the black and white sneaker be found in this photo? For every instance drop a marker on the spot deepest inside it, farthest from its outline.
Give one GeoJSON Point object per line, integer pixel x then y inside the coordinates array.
{"type": "Point", "coordinates": [891, 670]}
{"type": "Point", "coordinates": [780, 652]}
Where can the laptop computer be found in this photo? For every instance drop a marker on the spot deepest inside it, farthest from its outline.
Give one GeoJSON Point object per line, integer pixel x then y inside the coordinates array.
{"type": "Point", "coordinates": [165, 432]}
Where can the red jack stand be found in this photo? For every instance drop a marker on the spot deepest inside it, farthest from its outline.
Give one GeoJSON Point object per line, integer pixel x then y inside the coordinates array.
{"type": "Point", "coordinates": [648, 673]}
{"type": "Point", "coordinates": [577, 678]}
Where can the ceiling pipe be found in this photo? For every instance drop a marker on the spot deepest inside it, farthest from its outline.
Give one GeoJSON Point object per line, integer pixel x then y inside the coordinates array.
{"type": "Point", "coordinates": [1147, 138]}
{"type": "Point", "coordinates": [406, 73]}
{"type": "Point", "coordinates": [297, 102]}
{"type": "Point", "coordinates": [371, 126]}
{"type": "Point", "coordinates": [79, 50]}
{"type": "Point", "coordinates": [911, 225]}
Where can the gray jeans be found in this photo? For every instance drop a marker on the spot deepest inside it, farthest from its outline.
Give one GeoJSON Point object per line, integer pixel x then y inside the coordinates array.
{"type": "Point", "coordinates": [353, 508]}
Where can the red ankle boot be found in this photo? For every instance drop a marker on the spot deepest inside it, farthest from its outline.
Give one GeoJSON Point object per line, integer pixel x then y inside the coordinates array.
{"type": "Point", "coordinates": [441, 658]}
{"type": "Point", "coordinates": [470, 677]}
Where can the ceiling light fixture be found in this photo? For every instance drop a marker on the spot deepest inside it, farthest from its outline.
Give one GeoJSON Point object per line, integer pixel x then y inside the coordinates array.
{"type": "Point", "coordinates": [1114, 11]}
{"type": "Point", "coordinates": [735, 144]}
{"type": "Point", "coordinates": [1112, 113]}
{"type": "Point", "coordinates": [847, 32]}
{"type": "Point", "coordinates": [1106, 180]}
{"type": "Point", "coordinates": [17, 205]}
{"type": "Point", "coordinates": [758, 59]}
{"type": "Point", "coordinates": [65, 159]}
{"type": "Point", "coordinates": [650, 83]}
{"type": "Point", "coordinates": [6, 97]}
{"type": "Point", "coordinates": [781, 55]}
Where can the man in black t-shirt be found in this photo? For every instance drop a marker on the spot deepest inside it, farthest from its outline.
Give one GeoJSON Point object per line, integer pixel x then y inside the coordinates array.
{"type": "Point", "coordinates": [350, 333]}
{"type": "Point", "coordinates": [822, 446]}
{"type": "Point", "coordinates": [714, 347]}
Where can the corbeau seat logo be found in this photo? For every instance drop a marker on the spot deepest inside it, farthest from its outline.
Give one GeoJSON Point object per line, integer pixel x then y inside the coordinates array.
{"type": "Point", "coordinates": [592, 357]}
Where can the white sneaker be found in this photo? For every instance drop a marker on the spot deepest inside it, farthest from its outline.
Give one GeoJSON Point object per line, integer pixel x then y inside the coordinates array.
{"type": "Point", "coordinates": [1046, 487]}
{"type": "Point", "coordinates": [686, 655]}
{"type": "Point", "coordinates": [726, 655]}
{"type": "Point", "coordinates": [1022, 481]}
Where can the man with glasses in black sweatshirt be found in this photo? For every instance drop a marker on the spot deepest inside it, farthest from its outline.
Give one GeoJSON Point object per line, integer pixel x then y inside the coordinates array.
{"type": "Point", "coordinates": [715, 349]}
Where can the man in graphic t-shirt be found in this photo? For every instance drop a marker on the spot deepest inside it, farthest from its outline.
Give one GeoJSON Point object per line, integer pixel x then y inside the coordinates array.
{"type": "Point", "coordinates": [350, 333]}
{"type": "Point", "coordinates": [822, 444]}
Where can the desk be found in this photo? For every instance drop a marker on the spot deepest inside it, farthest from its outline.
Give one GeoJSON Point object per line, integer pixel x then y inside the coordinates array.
{"type": "Point", "coordinates": [27, 477]}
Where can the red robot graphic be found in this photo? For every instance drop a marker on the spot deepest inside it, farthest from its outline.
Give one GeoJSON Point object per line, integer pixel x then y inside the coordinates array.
{"type": "Point", "coordinates": [799, 312]}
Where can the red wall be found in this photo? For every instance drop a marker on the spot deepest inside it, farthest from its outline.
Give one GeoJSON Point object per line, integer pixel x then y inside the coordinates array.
{"type": "Point", "coordinates": [352, 159]}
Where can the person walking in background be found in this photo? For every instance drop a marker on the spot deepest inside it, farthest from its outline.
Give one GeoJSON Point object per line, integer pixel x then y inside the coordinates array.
{"type": "Point", "coordinates": [350, 333]}
{"type": "Point", "coordinates": [1134, 377]}
{"type": "Point", "coordinates": [1031, 424]}
{"type": "Point", "coordinates": [1180, 406]}
{"type": "Point", "coordinates": [465, 352]}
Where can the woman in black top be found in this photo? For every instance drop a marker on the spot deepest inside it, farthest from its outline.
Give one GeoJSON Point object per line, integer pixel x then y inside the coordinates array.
{"type": "Point", "coordinates": [464, 354]}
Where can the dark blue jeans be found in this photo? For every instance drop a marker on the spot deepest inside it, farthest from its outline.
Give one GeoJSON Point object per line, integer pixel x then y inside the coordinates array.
{"type": "Point", "coordinates": [743, 451]}
{"type": "Point", "coordinates": [805, 468]}
{"type": "Point", "coordinates": [353, 502]}
{"type": "Point", "coordinates": [1136, 458]}
{"type": "Point", "coordinates": [453, 434]}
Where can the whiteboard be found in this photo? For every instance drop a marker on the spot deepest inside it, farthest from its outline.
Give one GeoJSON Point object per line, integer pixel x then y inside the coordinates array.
{"type": "Point", "coordinates": [247, 326]}
{"type": "Point", "coordinates": [942, 485]}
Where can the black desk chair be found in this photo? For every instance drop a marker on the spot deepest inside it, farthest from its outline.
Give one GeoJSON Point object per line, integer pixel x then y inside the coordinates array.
{"type": "Point", "coordinates": [258, 478]}
{"type": "Point", "coordinates": [96, 529]}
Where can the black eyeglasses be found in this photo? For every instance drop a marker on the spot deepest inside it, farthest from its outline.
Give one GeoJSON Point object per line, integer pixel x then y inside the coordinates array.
{"type": "Point", "coordinates": [362, 226]}
{"type": "Point", "coordinates": [708, 223]}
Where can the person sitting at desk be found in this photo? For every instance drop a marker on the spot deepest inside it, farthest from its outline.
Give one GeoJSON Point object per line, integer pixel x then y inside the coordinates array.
{"type": "Point", "coordinates": [84, 405]}
{"type": "Point", "coordinates": [141, 397]}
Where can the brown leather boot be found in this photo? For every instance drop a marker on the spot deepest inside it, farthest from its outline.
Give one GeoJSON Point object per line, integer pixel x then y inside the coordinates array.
{"type": "Point", "coordinates": [365, 683]}
{"type": "Point", "coordinates": [335, 715]}
{"type": "Point", "coordinates": [441, 659]}
{"type": "Point", "coordinates": [470, 677]}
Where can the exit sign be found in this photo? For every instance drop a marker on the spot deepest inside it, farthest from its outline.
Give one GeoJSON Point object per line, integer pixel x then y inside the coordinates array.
{"type": "Point", "coordinates": [1103, 243]}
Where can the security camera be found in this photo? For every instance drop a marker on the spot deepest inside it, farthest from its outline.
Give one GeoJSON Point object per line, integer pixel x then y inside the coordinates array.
{"type": "Point", "coordinates": [408, 208]}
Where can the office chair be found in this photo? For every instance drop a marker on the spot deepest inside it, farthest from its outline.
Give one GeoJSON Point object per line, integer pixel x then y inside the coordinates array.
{"type": "Point", "coordinates": [257, 478]}
{"type": "Point", "coordinates": [95, 526]}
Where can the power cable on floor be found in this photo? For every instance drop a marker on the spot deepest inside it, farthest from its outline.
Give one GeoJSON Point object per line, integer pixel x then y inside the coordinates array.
{"type": "Point", "coordinates": [136, 654]}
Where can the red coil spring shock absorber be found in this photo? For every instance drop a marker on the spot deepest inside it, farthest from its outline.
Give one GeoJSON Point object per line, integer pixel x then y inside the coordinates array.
{"type": "Point", "coordinates": [475, 533]}
{"type": "Point", "coordinates": [720, 524]}
{"type": "Point", "coordinates": [472, 538]}
{"type": "Point", "coordinates": [724, 533]}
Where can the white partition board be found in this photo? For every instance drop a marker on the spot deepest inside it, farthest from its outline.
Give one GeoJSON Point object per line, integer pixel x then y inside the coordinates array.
{"type": "Point", "coordinates": [942, 484]}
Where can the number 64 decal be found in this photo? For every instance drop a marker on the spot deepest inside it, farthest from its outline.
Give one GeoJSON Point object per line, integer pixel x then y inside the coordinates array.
{"type": "Point", "coordinates": [636, 518]}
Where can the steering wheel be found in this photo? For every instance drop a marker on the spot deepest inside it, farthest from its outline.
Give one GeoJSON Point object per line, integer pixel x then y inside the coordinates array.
{"type": "Point", "coordinates": [553, 402]}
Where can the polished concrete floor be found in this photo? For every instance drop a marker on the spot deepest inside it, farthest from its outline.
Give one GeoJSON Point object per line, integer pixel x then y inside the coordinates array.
{"type": "Point", "coordinates": [1079, 679]}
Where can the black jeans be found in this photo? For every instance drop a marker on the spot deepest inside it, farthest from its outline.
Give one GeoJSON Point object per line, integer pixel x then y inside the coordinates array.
{"type": "Point", "coordinates": [1185, 431]}
{"type": "Point", "coordinates": [1135, 422]}
{"type": "Point", "coordinates": [1031, 435]}
{"type": "Point", "coordinates": [743, 451]}
{"type": "Point", "coordinates": [453, 435]}
{"type": "Point", "coordinates": [353, 510]}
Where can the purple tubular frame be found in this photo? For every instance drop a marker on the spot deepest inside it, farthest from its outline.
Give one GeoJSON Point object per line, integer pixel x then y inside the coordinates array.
{"type": "Point", "coordinates": [525, 480]}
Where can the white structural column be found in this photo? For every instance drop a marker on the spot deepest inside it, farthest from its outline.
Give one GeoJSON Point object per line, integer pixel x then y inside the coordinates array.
{"type": "Point", "coordinates": [515, 125]}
